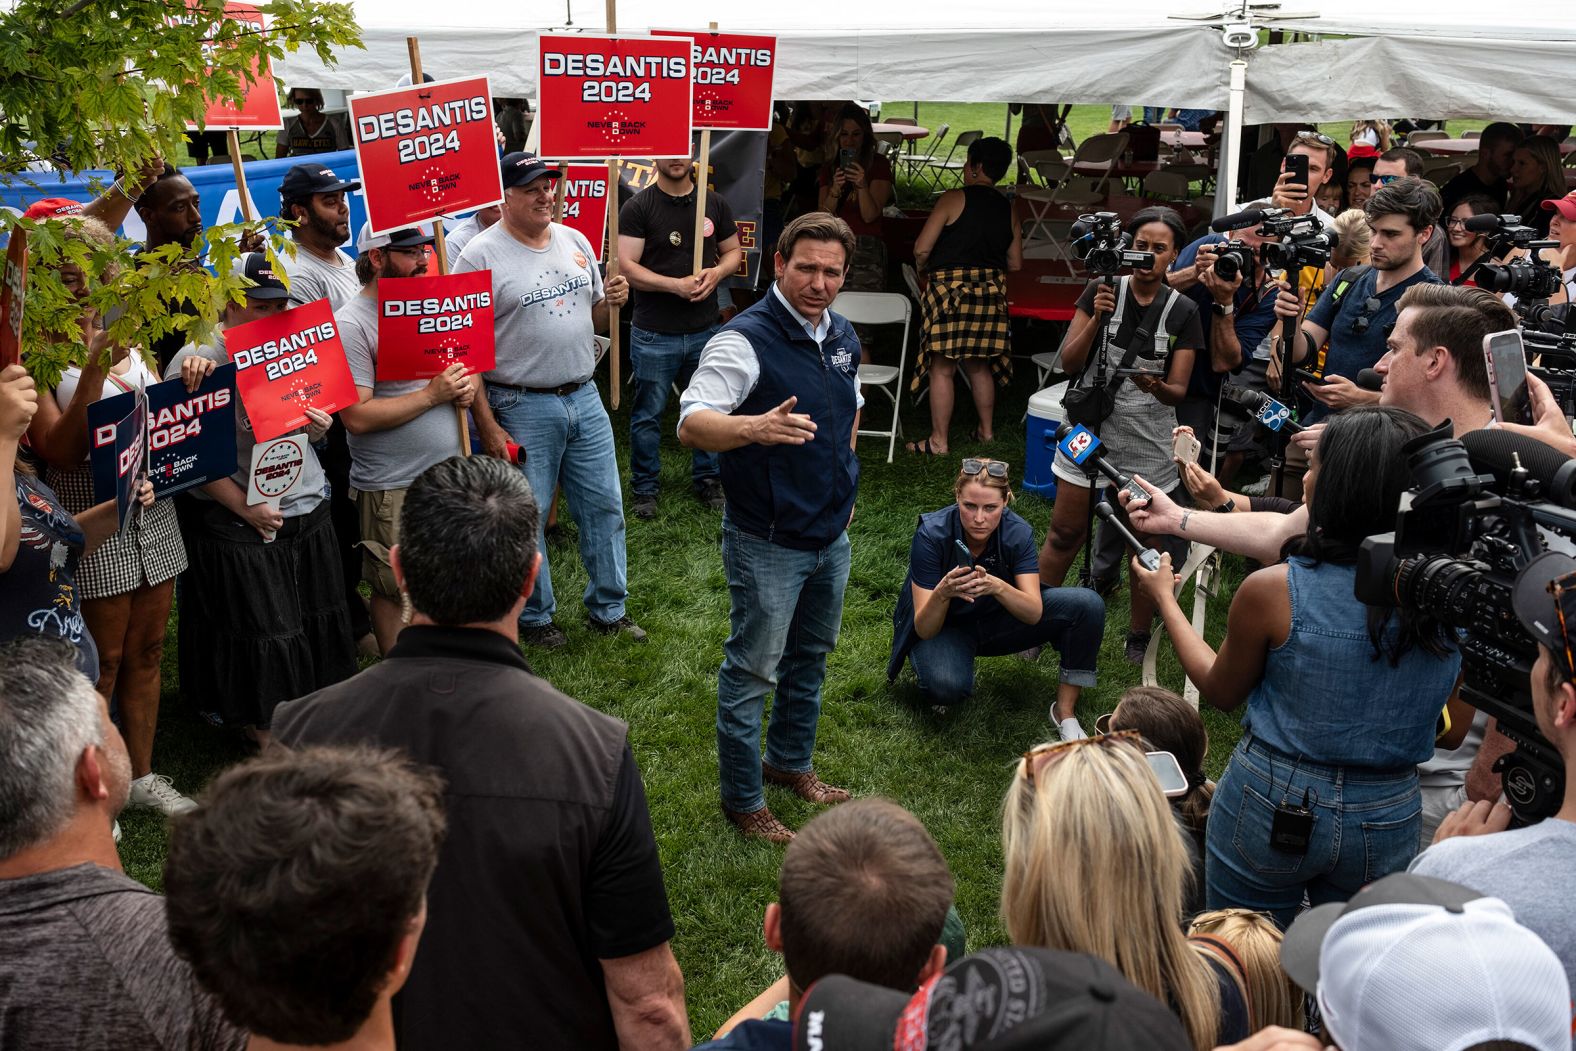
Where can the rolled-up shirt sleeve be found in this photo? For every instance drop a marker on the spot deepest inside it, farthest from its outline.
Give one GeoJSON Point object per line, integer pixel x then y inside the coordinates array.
{"type": "Point", "coordinates": [727, 373]}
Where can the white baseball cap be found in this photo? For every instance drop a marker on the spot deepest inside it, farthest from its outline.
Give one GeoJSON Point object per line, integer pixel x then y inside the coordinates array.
{"type": "Point", "coordinates": [1412, 962]}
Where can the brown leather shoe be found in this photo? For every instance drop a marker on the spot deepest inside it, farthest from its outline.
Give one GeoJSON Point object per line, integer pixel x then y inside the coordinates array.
{"type": "Point", "coordinates": [760, 824]}
{"type": "Point", "coordinates": [806, 786]}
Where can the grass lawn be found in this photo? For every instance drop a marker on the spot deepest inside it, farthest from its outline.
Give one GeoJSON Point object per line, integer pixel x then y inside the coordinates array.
{"type": "Point", "coordinates": [874, 738]}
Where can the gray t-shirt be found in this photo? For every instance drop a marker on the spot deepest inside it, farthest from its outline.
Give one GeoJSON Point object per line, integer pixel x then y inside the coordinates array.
{"type": "Point", "coordinates": [308, 493]}
{"type": "Point", "coordinates": [312, 279]}
{"type": "Point", "coordinates": [391, 459]}
{"type": "Point", "coordinates": [87, 963]}
{"type": "Point", "coordinates": [457, 237]}
{"type": "Point", "coordinates": [1527, 868]}
{"type": "Point", "coordinates": [542, 300]}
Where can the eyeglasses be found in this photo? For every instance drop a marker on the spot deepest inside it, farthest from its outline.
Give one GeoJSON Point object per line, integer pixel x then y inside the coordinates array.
{"type": "Point", "coordinates": [973, 465]}
{"type": "Point", "coordinates": [303, 101]}
{"type": "Point", "coordinates": [1386, 180]}
{"type": "Point", "coordinates": [1315, 136]}
{"type": "Point", "coordinates": [407, 249]}
{"type": "Point", "coordinates": [1564, 591]}
{"type": "Point", "coordinates": [1371, 307]}
{"type": "Point", "coordinates": [1041, 755]}
{"type": "Point", "coordinates": [1455, 224]}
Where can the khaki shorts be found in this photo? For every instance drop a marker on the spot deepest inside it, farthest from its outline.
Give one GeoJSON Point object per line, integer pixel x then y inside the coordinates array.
{"type": "Point", "coordinates": [379, 512]}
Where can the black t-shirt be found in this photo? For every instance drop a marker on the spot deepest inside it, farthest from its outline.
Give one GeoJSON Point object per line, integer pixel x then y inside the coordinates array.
{"type": "Point", "coordinates": [1464, 185]}
{"type": "Point", "coordinates": [1182, 325]}
{"type": "Point", "coordinates": [550, 864]}
{"type": "Point", "coordinates": [667, 225]}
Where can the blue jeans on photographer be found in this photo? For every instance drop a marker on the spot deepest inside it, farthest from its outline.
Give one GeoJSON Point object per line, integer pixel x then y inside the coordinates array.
{"type": "Point", "coordinates": [1071, 619]}
{"type": "Point", "coordinates": [660, 359]}
{"type": "Point", "coordinates": [568, 442]}
{"type": "Point", "coordinates": [786, 607]}
{"type": "Point", "coordinates": [1364, 825]}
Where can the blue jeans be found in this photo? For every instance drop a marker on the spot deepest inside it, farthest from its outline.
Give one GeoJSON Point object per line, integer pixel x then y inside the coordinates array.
{"type": "Point", "coordinates": [660, 358]}
{"type": "Point", "coordinates": [785, 609]}
{"type": "Point", "coordinates": [1364, 826]}
{"type": "Point", "coordinates": [568, 440]}
{"type": "Point", "coordinates": [1071, 619]}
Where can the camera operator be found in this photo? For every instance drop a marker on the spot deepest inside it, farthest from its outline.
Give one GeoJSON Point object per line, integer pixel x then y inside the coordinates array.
{"type": "Point", "coordinates": [1562, 228]}
{"type": "Point", "coordinates": [1357, 306]}
{"type": "Point", "coordinates": [1150, 339]}
{"type": "Point", "coordinates": [1529, 868]}
{"type": "Point", "coordinates": [1341, 699]}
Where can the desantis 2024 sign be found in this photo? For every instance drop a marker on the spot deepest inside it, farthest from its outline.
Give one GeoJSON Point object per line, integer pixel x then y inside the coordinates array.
{"type": "Point", "coordinates": [606, 96]}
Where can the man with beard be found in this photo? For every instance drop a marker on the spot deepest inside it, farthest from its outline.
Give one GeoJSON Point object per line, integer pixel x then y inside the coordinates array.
{"type": "Point", "coordinates": [169, 212]}
{"type": "Point", "coordinates": [400, 427]}
{"type": "Point", "coordinates": [313, 197]}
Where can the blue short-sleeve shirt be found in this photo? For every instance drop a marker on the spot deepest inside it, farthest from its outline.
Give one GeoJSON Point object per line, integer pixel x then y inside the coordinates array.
{"type": "Point", "coordinates": [1356, 343]}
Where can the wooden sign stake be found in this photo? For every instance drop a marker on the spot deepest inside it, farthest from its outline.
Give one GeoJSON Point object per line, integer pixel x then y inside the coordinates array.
{"type": "Point", "coordinates": [702, 170]}
{"type": "Point", "coordinates": [613, 350]}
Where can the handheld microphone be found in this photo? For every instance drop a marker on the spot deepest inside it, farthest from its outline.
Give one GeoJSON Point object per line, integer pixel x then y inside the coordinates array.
{"type": "Point", "coordinates": [1266, 410]}
{"type": "Point", "coordinates": [1370, 379]}
{"type": "Point", "coordinates": [1499, 452]}
{"type": "Point", "coordinates": [1081, 446]}
{"type": "Point", "coordinates": [1239, 220]}
{"type": "Point", "coordinates": [1148, 557]}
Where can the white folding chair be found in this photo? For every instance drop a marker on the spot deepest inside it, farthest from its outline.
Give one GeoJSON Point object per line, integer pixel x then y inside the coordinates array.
{"type": "Point", "coordinates": [881, 308]}
{"type": "Point", "coordinates": [1073, 189]}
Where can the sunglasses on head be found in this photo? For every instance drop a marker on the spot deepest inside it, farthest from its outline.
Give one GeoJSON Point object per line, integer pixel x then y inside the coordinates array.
{"type": "Point", "coordinates": [1371, 307]}
{"type": "Point", "coordinates": [1315, 136]}
{"type": "Point", "coordinates": [1038, 757]}
{"type": "Point", "coordinates": [973, 465]}
{"type": "Point", "coordinates": [1564, 591]}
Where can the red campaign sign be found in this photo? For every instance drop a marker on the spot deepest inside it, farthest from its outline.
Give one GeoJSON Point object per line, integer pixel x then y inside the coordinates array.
{"type": "Point", "coordinates": [260, 110]}
{"type": "Point", "coordinates": [426, 324]}
{"type": "Point", "coordinates": [733, 78]}
{"type": "Point", "coordinates": [585, 202]}
{"type": "Point", "coordinates": [604, 96]}
{"type": "Point", "coordinates": [13, 291]}
{"type": "Point", "coordinates": [426, 150]}
{"type": "Point", "coordinates": [287, 362]}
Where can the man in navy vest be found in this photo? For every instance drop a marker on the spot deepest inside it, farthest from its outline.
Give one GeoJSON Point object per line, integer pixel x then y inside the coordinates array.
{"type": "Point", "coordinates": [777, 395]}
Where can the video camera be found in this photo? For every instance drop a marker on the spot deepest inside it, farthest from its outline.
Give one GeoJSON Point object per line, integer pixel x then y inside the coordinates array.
{"type": "Point", "coordinates": [1103, 246]}
{"type": "Point", "coordinates": [1462, 540]}
{"type": "Point", "coordinates": [1296, 241]}
{"type": "Point", "coordinates": [1529, 278]}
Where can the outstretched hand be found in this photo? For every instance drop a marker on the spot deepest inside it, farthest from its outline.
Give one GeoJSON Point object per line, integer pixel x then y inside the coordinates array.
{"type": "Point", "coordinates": [782, 426]}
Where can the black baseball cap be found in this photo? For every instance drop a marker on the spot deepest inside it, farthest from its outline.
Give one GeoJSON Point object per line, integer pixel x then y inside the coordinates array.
{"type": "Point", "coordinates": [1015, 999]}
{"type": "Point", "coordinates": [1539, 610]}
{"type": "Point", "coordinates": [520, 168]}
{"type": "Point", "coordinates": [304, 180]}
{"type": "Point", "coordinates": [265, 280]}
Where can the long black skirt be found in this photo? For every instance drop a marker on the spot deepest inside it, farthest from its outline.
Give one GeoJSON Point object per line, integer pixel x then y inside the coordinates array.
{"type": "Point", "coordinates": [260, 623]}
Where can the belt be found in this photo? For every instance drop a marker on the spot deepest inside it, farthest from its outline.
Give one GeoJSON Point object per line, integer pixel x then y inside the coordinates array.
{"type": "Point", "coordinates": [560, 390]}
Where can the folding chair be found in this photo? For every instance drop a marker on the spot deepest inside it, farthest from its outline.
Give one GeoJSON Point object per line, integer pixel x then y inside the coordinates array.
{"type": "Point", "coordinates": [1077, 190]}
{"type": "Point", "coordinates": [1036, 162]}
{"type": "Point", "coordinates": [1168, 185]}
{"type": "Point", "coordinates": [1418, 137]}
{"type": "Point", "coordinates": [917, 161]}
{"type": "Point", "coordinates": [936, 169]}
{"type": "Point", "coordinates": [881, 308]}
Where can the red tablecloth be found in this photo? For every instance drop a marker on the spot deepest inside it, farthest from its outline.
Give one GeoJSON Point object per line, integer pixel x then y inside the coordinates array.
{"type": "Point", "coordinates": [1044, 290]}
{"type": "Point", "coordinates": [1443, 146]}
{"type": "Point", "coordinates": [908, 131]}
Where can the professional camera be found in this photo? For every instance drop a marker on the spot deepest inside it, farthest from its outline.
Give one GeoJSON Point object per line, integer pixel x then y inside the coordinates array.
{"type": "Point", "coordinates": [1527, 278]}
{"type": "Point", "coordinates": [1303, 241]}
{"type": "Point", "coordinates": [1233, 259]}
{"type": "Point", "coordinates": [1462, 539]}
{"type": "Point", "coordinates": [1103, 246]}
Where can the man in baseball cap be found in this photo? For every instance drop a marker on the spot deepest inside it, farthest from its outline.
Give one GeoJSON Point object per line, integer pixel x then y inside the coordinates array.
{"type": "Point", "coordinates": [1013, 999]}
{"type": "Point", "coordinates": [313, 197]}
{"type": "Point", "coordinates": [1414, 962]}
{"type": "Point", "coordinates": [521, 169]}
{"type": "Point", "coordinates": [1529, 868]}
{"type": "Point", "coordinates": [266, 283]}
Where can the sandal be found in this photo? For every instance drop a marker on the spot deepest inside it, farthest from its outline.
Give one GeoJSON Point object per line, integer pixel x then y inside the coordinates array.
{"type": "Point", "coordinates": [921, 448]}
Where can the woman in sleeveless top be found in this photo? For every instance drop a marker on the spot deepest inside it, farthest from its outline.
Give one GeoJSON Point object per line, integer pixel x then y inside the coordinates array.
{"type": "Point", "coordinates": [1321, 795]}
{"type": "Point", "coordinates": [1164, 331]}
{"type": "Point", "coordinates": [968, 245]}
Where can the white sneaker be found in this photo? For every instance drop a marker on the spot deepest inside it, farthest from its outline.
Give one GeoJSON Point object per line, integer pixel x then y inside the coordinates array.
{"type": "Point", "coordinates": [1070, 730]}
{"type": "Point", "coordinates": [156, 791]}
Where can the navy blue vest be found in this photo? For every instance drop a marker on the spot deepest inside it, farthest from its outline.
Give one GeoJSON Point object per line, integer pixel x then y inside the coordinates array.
{"type": "Point", "coordinates": [798, 496]}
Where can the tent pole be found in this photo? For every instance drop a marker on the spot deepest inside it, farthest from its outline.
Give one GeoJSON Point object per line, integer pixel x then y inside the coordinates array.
{"type": "Point", "coordinates": [1231, 146]}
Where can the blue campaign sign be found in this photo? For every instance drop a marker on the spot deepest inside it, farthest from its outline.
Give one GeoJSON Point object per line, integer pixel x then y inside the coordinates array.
{"type": "Point", "coordinates": [118, 429]}
{"type": "Point", "coordinates": [215, 185]}
{"type": "Point", "coordinates": [1078, 444]}
{"type": "Point", "coordinates": [191, 434]}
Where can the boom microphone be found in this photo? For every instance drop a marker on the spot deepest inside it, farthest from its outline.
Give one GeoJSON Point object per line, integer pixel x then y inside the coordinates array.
{"type": "Point", "coordinates": [1497, 452]}
{"type": "Point", "coordinates": [1488, 222]}
{"type": "Point", "coordinates": [1370, 379]}
{"type": "Point", "coordinates": [1148, 557]}
{"type": "Point", "coordinates": [1239, 220]}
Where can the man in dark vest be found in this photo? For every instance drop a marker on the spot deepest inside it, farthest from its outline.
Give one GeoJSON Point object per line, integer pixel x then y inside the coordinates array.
{"type": "Point", "coordinates": [777, 394]}
{"type": "Point", "coordinates": [547, 919]}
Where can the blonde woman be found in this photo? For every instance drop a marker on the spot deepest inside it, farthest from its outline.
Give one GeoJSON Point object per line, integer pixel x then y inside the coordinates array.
{"type": "Point", "coordinates": [1254, 942]}
{"type": "Point", "coordinates": [1095, 863]}
{"type": "Point", "coordinates": [1353, 237]}
{"type": "Point", "coordinates": [1369, 138]}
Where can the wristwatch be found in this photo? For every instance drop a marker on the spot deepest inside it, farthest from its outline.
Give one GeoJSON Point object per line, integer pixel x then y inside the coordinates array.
{"type": "Point", "coordinates": [1223, 309]}
{"type": "Point", "coordinates": [1227, 507]}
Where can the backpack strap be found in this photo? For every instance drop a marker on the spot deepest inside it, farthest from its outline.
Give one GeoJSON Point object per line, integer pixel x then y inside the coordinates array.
{"type": "Point", "coordinates": [1345, 280]}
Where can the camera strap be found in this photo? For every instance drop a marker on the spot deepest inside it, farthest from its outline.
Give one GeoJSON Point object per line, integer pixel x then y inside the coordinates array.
{"type": "Point", "coordinates": [1143, 334]}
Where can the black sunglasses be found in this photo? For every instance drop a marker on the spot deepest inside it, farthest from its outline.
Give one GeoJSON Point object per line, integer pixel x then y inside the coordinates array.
{"type": "Point", "coordinates": [1371, 307]}
{"type": "Point", "coordinates": [974, 465]}
{"type": "Point", "coordinates": [1315, 136]}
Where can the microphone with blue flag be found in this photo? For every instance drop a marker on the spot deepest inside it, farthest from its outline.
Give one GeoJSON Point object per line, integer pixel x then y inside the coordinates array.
{"type": "Point", "coordinates": [1082, 446]}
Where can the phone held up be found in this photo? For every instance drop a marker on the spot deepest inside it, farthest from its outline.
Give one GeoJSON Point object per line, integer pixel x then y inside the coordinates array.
{"type": "Point", "coordinates": [1184, 449]}
{"type": "Point", "coordinates": [1506, 358]}
{"type": "Point", "coordinates": [1297, 164]}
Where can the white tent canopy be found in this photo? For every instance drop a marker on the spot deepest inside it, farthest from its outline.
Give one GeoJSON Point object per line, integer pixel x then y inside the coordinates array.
{"type": "Point", "coordinates": [1449, 58]}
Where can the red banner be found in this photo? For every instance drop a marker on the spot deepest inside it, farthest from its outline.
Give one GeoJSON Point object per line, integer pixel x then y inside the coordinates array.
{"type": "Point", "coordinates": [603, 96]}
{"type": "Point", "coordinates": [260, 110]}
{"type": "Point", "coordinates": [426, 324]}
{"type": "Point", "coordinates": [426, 150]}
{"type": "Point", "coordinates": [288, 362]}
{"type": "Point", "coordinates": [585, 202]}
{"type": "Point", "coordinates": [13, 291]}
{"type": "Point", "coordinates": [733, 78]}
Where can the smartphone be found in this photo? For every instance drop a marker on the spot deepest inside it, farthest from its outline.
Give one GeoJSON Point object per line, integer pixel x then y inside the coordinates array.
{"type": "Point", "coordinates": [1297, 164]}
{"type": "Point", "coordinates": [1138, 372]}
{"type": "Point", "coordinates": [1309, 377]}
{"type": "Point", "coordinates": [1185, 448]}
{"type": "Point", "coordinates": [1164, 765]}
{"type": "Point", "coordinates": [1137, 496]}
{"type": "Point", "coordinates": [1506, 358]}
{"type": "Point", "coordinates": [965, 560]}
{"type": "Point", "coordinates": [845, 159]}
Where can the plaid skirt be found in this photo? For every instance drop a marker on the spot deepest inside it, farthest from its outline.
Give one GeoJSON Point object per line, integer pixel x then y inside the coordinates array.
{"type": "Point", "coordinates": [963, 313]}
{"type": "Point", "coordinates": [149, 551]}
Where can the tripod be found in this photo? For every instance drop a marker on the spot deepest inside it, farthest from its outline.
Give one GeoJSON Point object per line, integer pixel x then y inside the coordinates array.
{"type": "Point", "coordinates": [1102, 322]}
